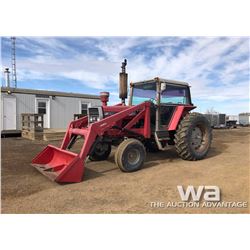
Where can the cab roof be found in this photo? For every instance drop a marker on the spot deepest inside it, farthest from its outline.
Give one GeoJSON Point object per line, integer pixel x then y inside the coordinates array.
{"type": "Point", "coordinates": [162, 80]}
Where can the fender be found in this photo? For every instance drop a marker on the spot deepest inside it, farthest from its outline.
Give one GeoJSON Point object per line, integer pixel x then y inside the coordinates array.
{"type": "Point", "coordinates": [179, 112]}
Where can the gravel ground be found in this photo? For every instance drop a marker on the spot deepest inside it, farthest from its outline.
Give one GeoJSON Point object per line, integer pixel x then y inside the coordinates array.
{"type": "Point", "coordinates": [106, 189]}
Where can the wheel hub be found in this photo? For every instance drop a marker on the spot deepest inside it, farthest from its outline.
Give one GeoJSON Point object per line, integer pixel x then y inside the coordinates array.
{"type": "Point", "coordinates": [133, 156]}
{"type": "Point", "coordinates": [101, 148]}
{"type": "Point", "coordinates": [197, 137]}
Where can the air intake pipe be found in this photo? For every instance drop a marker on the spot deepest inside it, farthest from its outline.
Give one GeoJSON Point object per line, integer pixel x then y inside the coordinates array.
{"type": "Point", "coordinates": [123, 87]}
{"type": "Point", "coordinates": [104, 96]}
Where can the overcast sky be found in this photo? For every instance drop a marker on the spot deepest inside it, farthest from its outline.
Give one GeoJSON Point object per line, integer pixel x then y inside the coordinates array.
{"type": "Point", "coordinates": [216, 68]}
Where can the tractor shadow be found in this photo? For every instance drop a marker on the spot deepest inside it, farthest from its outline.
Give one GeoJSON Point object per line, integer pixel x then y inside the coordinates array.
{"type": "Point", "coordinates": [156, 158]}
{"type": "Point", "coordinates": [217, 148]}
{"type": "Point", "coordinates": [171, 155]}
{"type": "Point", "coordinates": [101, 168]}
{"type": "Point", "coordinates": [90, 174]}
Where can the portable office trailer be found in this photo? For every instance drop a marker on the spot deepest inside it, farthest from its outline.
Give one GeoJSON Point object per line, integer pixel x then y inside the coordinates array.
{"type": "Point", "coordinates": [58, 108]}
{"type": "Point", "coordinates": [216, 120]}
{"type": "Point", "coordinates": [244, 119]}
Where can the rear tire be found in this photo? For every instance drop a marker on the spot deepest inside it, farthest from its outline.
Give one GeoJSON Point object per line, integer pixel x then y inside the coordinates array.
{"type": "Point", "coordinates": [193, 137]}
{"type": "Point", "coordinates": [130, 155]}
{"type": "Point", "coordinates": [101, 152]}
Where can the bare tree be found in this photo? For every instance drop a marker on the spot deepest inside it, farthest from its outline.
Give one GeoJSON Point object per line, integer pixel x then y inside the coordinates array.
{"type": "Point", "coordinates": [211, 110]}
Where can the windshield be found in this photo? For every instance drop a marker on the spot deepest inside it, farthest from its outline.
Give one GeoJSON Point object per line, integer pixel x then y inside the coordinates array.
{"type": "Point", "coordinates": [144, 92]}
{"type": "Point", "coordinates": [175, 95]}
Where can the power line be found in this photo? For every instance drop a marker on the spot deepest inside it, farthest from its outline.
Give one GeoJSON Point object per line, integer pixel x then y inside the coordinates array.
{"type": "Point", "coordinates": [13, 61]}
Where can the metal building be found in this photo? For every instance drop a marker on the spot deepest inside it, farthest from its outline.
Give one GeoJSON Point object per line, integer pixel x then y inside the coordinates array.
{"type": "Point", "coordinates": [216, 120]}
{"type": "Point", "coordinates": [58, 107]}
{"type": "Point", "coordinates": [244, 119]}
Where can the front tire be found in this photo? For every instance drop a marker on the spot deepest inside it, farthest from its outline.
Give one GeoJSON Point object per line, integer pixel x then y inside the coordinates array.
{"type": "Point", "coordinates": [101, 152]}
{"type": "Point", "coordinates": [193, 137]}
{"type": "Point", "coordinates": [130, 155]}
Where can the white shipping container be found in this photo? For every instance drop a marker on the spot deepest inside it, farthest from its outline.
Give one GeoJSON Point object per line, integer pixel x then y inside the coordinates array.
{"type": "Point", "coordinates": [244, 118]}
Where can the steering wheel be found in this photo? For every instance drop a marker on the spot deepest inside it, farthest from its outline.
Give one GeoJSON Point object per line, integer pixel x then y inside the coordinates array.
{"type": "Point", "coordinates": [153, 100]}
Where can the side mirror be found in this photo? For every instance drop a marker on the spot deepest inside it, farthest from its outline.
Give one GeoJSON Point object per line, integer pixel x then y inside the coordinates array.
{"type": "Point", "coordinates": [163, 86]}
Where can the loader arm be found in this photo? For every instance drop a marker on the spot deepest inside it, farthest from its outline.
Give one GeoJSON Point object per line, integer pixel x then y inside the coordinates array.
{"type": "Point", "coordinates": [62, 165]}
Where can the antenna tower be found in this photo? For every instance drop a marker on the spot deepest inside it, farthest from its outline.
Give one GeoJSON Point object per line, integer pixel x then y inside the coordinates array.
{"type": "Point", "coordinates": [13, 61]}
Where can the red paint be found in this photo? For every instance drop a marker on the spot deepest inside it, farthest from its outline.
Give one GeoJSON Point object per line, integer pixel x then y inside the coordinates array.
{"type": "Point", "coordinates": [179, 112]}
{"type": "Point", "coordinates": [62, 165]}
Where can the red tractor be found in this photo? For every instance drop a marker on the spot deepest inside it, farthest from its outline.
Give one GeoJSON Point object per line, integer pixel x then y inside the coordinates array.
{"type": "Point", "coordinates": [157, 116]}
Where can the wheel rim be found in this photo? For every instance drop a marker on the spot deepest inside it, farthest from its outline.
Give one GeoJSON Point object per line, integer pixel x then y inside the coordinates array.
{"type": "Point", "coordinates": [197, 138]}
{"type": "Point", "coordinates": [133, 156]}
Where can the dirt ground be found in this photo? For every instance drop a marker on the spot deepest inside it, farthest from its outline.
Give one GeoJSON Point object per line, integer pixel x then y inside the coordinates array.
{"type": "Point", "coordinates": [106, 189]}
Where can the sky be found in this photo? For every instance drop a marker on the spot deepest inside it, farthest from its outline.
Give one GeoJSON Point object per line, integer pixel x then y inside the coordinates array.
{"type": "Point", "coordinates": [217, 68]}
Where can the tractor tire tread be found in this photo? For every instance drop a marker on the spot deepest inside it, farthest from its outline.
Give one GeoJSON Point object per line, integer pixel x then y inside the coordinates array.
{"type": "Point", "coordinates": [181, 140]}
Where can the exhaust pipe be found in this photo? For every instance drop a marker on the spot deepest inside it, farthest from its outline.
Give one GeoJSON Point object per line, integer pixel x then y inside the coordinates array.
{"type": "Point", "coordinates": [123, 88]}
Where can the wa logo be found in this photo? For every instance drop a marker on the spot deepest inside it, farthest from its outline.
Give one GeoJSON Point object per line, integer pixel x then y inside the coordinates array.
{"type": "Point", "coordinates": [208, 193]}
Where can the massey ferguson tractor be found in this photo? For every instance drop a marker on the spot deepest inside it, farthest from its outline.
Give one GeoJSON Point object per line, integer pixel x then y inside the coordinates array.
{"type": "Point", "coordinates": [156, 117]}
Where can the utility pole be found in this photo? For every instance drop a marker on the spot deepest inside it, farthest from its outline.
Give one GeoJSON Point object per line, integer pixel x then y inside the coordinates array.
{"type": "Point", "coordinates": [13, 61]}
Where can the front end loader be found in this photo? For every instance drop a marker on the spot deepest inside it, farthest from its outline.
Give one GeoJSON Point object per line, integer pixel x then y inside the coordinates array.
{"type": "Point", "coordinates": [156, 117]}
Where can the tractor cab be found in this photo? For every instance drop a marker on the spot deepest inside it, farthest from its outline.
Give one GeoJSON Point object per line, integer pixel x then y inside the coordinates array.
{"type": "Point", "coordinates": [161, 92]}
{"type": "Point", "coordinates": [164, 95]}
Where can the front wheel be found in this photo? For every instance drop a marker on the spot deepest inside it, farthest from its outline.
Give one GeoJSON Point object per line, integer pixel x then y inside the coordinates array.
{"type": "Point", "coordinates": [193, 137]}
{"type": "Point", "coordinates": [130, 155]}
{"type": "Point", "coordinates": [101, 152]}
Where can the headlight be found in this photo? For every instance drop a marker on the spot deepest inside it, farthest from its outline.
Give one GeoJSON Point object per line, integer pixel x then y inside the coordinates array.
{"type": "Point", "coordinates": [95, 114]}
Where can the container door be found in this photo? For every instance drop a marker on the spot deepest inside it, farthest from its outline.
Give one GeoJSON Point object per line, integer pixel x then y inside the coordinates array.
{"type": "Point", "coordinates": [9, 113]}
{"type": "Point", "coordinates": [42, 107]}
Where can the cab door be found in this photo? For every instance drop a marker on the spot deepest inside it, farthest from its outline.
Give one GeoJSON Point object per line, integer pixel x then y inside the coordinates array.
{"type": "Point", "coordinates": [172, 96]}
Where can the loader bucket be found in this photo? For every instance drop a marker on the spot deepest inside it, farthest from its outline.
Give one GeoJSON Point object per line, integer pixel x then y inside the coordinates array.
{"type": "Point", "coordinates": [59, 165]}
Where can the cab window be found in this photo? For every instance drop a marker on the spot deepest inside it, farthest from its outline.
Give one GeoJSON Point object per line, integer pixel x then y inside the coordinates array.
{"type": "Point", "coordinates": [144, 92]}
{"type": "Point", "coordinates": [175, 95]}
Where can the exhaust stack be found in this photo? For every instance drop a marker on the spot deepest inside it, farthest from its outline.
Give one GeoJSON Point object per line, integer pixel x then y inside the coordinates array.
{"type": "Point", "coordinates": [123, 88]}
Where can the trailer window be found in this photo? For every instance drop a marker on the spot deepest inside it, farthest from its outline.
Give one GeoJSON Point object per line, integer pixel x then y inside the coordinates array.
{"type": "Point", "coordinates": [144, 92]}
{"type": "Point", "coordinates": [175, 95]}
{"type": "Point", "coordinates": [41, 107]}
{"type": "Point", "coordinates": [84, 108]}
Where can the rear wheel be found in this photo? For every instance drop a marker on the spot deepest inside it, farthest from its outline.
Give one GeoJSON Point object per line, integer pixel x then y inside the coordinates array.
{"type": "Point", "coordinates": [101, 152]}
{"type": "Point", "coordinates": [193, 137]}
{"type": "Point", "coordinates": [130, 155]}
